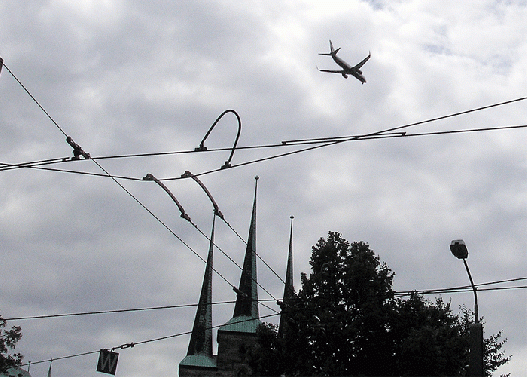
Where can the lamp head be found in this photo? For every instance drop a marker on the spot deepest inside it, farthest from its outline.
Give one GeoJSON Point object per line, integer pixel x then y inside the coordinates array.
{"type": "Point", "coordinates": [459, 249]}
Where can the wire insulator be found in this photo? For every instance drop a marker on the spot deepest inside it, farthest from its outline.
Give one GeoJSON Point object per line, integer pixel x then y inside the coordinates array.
{"type": "Point", "coordinates": [77, 150]}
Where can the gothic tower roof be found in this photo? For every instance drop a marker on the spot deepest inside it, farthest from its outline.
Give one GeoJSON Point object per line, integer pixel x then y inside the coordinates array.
{"type": "Point", "coordinates": [199, 352]}
{"type": "Point", "coordinates": [289, 290]}
{"type": "Point", "coordinates": [246, 317]}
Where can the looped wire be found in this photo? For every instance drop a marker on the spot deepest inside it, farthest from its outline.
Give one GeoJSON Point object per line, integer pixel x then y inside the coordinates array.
{"type": "Point", "coordinates": [202, 146]}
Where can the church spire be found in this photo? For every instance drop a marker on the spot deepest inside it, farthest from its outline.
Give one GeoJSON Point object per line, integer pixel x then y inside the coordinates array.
{"type": "Point", "coordinates": [289, 289]}
{"type": "Point", "coordinates": [237, 337]}
{"type": "Point", "coordinates": [247, 300]}
{"type": "Point", "coordinates": [199, 352]}
{"type": "Point", "coordinates": [246, 317]}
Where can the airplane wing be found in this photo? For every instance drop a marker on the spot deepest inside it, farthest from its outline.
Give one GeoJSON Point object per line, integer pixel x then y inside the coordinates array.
{"type": "Point", "coordinates": [331, 70]}
{"type": "Point", "coordinates": [363, 62]}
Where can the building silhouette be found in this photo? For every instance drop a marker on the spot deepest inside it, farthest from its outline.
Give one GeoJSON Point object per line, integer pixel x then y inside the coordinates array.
{"type": "Point", "coordinates": [237, 337]}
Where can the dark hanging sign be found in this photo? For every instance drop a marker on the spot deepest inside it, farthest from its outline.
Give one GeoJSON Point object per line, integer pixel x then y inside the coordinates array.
{"type": "Point", "coordinates": [107, 361]}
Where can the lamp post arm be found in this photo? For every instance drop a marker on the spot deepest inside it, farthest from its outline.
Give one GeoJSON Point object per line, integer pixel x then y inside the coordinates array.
{"type": "Point", "coordinates": [476, 315]}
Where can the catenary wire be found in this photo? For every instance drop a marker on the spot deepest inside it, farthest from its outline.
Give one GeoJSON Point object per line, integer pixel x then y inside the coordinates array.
{"type": "Point", "coordinates": [217, 212]}
{"type": "Point", "coordinates": [335, 142]}
{"type": "Point", "coordinates": [132, 344]}
{"type": "Point", "coordinates": [381, 133]}
{"type": "Point", "coordinates": [315, 145]}
{"type": "Point", "coordinates": [115, 311]}
{"type": "Point", "coordinates": [140, 203]}
{"type": "Point", "coordinates": [202, 148]}
{"type": "Point", "coordinates": [463, 288]}
{"type": "Point", "coordinates": [391, 129]}
{"type": "Point", "coordinates": [78, 150]}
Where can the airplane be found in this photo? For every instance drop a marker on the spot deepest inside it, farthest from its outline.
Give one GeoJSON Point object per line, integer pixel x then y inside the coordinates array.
{"type": "Point", "coordinates": [346, 68]}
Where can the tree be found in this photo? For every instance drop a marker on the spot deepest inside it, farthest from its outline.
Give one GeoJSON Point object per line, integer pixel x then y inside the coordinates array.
{"type": "Point", "coordinates": [8, 340]}
{"type": "Point", "coordinates": [346, 320]}
{"type": "Point", "coordinates": [429, 337]}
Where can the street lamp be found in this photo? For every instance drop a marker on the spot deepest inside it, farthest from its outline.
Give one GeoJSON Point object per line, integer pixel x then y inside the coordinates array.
{"type": "Point", "coordinates": [460, 251]}
{"type": "Point", "coordinates": [475, 368]}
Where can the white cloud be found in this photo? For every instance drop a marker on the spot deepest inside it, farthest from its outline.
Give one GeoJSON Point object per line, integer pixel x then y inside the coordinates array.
{"type": "Point", "coordinates": [133, 76]}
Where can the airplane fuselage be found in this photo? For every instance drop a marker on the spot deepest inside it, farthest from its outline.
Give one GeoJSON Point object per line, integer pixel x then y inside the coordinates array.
{"type": "Point", "coordinates": [341, 62]}
{"type": "Point", "coordinates": [348, 70]}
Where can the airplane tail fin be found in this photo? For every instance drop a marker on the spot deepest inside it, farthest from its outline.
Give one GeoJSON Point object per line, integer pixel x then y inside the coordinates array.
{"type": "Point", "coordinates": [333, 51]}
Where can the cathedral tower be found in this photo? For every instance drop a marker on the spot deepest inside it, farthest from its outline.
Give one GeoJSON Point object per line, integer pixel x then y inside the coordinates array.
{"type": "Point", "coordinates": [200, 360]}
{"type": "Point", "coordinates": [238, 335]}
{"type": "Point", "coordinates": [289, 289]}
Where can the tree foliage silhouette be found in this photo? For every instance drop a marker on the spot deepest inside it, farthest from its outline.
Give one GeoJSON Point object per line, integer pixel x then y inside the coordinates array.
{"type": "Point", "coordinates": [345, 320]}
{"type": "Point", "coordinates": [8, 340]}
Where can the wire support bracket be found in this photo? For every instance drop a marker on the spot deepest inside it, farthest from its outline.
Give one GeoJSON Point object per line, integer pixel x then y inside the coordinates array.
{"type": "Point", "coordinates": [77, 150]}
{"type": "Point", "coordinates": [124, 346]}
{"type": "Point", "coordinates": [150, 177]}
{"type": "Point", "coordinates": [217, 211]}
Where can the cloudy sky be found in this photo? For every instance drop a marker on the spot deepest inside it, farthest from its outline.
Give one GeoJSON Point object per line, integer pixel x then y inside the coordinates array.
{"type": "Point", "coordinates": [127, 77]}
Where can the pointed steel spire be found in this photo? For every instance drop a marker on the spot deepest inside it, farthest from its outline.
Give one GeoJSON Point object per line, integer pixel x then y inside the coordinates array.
{"type": "Point", "coordinates": [247, 300]}
{"type": "Point", "coordinates": [289, 289]}
{"type": "Point", "coordinates": [200, 346]}
{"type": "Point", "coordinates": [246, 318]}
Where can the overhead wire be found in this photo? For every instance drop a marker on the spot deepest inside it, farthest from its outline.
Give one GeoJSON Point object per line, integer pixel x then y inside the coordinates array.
{"type": "Point", "coordinates": [202, 146]}
{"type": "Point", "coordinates": [222, 217]}
{"type": "Point", "coordinates": [35, 100]}
{"type": "Point", "coordinates": [391, 129]}
{"type": "Point", "coordinates": [117, 311]}
{"type": "Point", "coordinates": [463, 288]}
{"type": "Point", "coordinates": [466, 288]}
{"type": "Point", "coordinates": [7, 166]}
{"type": "Point", "coordinates": [321, 142]}
{"type": "Point", "coordinates": [78, 151]}
{"type": "Point", "coordinates": [386, 133]}
{"type": "Point", "coordinates": [314, 145]}
{"type": "Point", "coordinates": [217, 212]}
{"type": "Point", "coordinates": [132, 344]}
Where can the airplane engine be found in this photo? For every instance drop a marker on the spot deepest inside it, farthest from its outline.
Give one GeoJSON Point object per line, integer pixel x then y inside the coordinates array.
{"type": "Point", "coordinates": [344, 75]}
